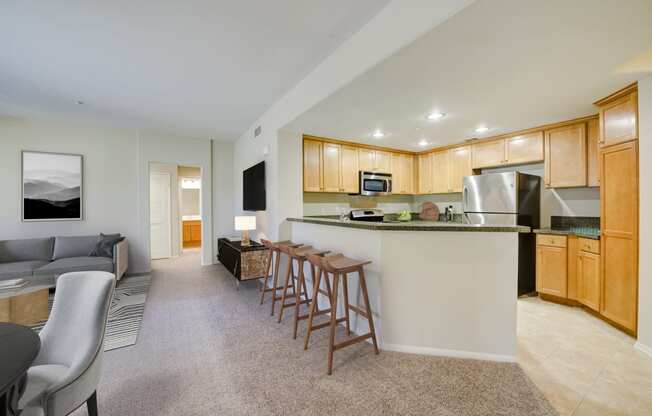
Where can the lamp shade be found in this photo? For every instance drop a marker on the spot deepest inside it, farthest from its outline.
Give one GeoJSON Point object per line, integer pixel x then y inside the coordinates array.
{"type": "Point", "coordinates": [245, 223]}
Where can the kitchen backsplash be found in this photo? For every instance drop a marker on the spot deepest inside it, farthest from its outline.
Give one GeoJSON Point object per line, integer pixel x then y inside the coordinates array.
{"type": "Point", "coordinates": [567, 223]}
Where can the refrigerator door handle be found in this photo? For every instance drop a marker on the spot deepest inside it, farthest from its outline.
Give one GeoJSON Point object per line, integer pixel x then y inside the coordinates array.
{"type": "Point", "coordinates": [465, 198]}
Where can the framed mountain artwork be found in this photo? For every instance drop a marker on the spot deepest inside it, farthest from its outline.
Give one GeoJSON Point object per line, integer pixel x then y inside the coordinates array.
{"type": "Point", "coordinates": [52, 186]}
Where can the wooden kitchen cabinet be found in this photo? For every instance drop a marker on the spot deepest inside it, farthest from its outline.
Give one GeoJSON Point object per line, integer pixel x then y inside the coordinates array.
{"type": "Point", "coordinates": [593, 152]}
{"type": "Point", "coordinates": [619, 116]}
{"type": "Point", "coordinates": [402, 173]}
{"type": "Point", "coordinates": [366, 159]}
{"type": "Point", "coordinates": [312, 166]}
{"type": "Point", "coordinates": [489, 154]}
{"type": "Point", "coordinates": [191, 233]}
{"type": "Point", "coordinates": [619, 233]}
{"type": "Point", "coordinates": [588, 279]}
{"type": "Point", "coordinates": [440, 174]}
{"type": "Point", "coordinates": [331, 167]}
{"type": "Point", "coordinates": [349, 170]}
{"type": "Point", "coordinates": [565, 156]}
{"type": "Point", "coordinates": [524, 148]}
{"type": "Point", "coordinates": [424, 169]}
{"type": "Point", "coordinates": [460, 166]}
{"type": "Point", "coordinates": [551, 274]}
{"type": "Point", "coordinates": [382, 161]}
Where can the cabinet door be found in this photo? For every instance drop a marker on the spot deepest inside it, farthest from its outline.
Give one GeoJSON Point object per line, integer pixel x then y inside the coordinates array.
{"type": "Point", "coordinates": [409, 176]}
{"type": "Point", "coordinates": [460, 166]}
{"type": "Point", "coordinates": [565, 162]}
{"type": "Point", "coordinates": [186, 232]}
{"type": "Point", "coordinates": [398, 181]}
{"type": "Point", "coordinates": [488, 154]}
{"type": "Point", "coordinates": [440, 174]}
{"type": "Point", "coordinates": [331, 167]}
{"type": "Point", "coordinates": [383, 161]}
{"type": "Point", "coordinates": [525, 148]}
{"type": "Point", "coordinates": [551, 271]}
{"type": "Point", "coordinates": [424, 173]}
{"type": "Point", "coordinates": [588, 279]}
{"type": "Point", "coordinates": [312, 166]}
{"type": "Point", "coordinates": [195, 231]}
{"type": "Point", "coordinates": [619, 233]}
{"type": "Point", "coordinates": [366, 159]}
{"type": "Point", "coordinates": [572, 274]}
{"type": "Point", "coordinates": [349, 170]}
{"type": "Point", "coordinates": [619, 120]}
{"type": "Point", "coordinates": [593, 158]}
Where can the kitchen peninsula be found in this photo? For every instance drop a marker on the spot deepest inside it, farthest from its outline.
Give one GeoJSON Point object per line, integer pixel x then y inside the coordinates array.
{"type": "Point", "coordinates": [435, 288]}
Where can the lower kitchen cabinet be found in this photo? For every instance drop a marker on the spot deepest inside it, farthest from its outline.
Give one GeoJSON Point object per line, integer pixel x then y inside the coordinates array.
{"type": "Point", "coordinates": [552, 270]}
{"type": "Point", "coordinates": [588, 279]}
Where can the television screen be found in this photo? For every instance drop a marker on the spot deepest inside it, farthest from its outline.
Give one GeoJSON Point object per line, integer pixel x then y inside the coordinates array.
{"type": "Point", "coordinates": [253, 188]}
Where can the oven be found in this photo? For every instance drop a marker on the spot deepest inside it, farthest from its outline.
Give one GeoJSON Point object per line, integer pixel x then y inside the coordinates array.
{"type": "Point", "coordinates": [375, 183]}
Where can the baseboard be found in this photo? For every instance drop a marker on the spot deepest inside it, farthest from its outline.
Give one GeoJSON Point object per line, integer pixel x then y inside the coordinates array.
{"type": "Point", "coordinates": [449, 353]}
{"type": "Point", "coordinates": [136, 274]}
{"type": "Point", "coordinates": [643, 348]}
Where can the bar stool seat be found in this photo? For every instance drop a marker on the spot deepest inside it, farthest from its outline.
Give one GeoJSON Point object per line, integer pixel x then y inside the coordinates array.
{"type": "Point", "coordinates": [341, 266]}
{"type": "Point", "coordinates": [274, 253]}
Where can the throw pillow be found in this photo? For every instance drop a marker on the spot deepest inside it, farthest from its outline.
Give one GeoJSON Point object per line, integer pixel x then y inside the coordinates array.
{"type": "Point", "coordinates": [104, 246]}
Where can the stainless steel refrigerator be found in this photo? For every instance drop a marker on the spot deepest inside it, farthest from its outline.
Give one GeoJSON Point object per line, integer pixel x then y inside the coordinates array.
{"type": "Point", "coordinates": [508, 198]}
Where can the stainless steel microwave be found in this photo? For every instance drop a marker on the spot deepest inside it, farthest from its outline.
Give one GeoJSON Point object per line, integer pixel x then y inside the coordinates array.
{"type": "Point", "coordinates": [375, 183]}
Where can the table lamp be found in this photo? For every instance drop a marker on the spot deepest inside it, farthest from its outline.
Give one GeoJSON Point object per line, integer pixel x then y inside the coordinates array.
{"type": "Point", "coordinates": [244, 224]}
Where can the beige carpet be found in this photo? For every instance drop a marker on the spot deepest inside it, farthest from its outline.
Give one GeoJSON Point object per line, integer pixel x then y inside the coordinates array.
{"type": "Point", "coordinates": [206, 348]}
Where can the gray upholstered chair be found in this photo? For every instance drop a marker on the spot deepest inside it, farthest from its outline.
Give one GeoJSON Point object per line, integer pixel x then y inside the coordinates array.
{"type": "Point", "coordinates": [67, 370]}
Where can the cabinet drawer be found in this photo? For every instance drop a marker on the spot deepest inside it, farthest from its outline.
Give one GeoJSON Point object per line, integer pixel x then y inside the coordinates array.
{"type": "Point", "coordinates": [589, 245]}
{"type": "Point", "coordinates": [551, 240]}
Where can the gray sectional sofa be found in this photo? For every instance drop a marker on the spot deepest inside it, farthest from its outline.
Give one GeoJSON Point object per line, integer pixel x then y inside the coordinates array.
{"type": "Point", "coordinates": [44, 259]}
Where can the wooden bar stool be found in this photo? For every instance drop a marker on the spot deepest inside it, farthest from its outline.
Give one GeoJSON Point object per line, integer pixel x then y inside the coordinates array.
{"type": "Point", "coordinates": [274, 252]}
{"type": "Point", "coordinates": [340, 266]}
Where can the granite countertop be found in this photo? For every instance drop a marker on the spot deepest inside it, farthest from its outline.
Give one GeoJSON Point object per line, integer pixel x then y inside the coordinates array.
{"type": "Point", "coordinates": [414, 225]}
{"type": "Point", "coordinates": [593, 234]}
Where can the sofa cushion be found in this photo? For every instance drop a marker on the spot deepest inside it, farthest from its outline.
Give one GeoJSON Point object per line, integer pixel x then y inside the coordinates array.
{"type": "Point", "coordinates": [19, 269]}
{"type": "Point", "coordinates": [75, 264]}
{"type": "Point", "coordinates": [79, 246]}
{"type": "Point", "coordinates": [26, 249]}
{"type": "Point", "coordinates": [104, 245]}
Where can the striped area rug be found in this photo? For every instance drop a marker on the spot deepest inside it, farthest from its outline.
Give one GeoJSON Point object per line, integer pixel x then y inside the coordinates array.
{"type": "Point", "coordinates": [125, 314]}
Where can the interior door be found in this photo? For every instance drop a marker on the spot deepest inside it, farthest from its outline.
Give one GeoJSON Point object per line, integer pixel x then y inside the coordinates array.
{"type": "Point", "coordinates": [159, 215]}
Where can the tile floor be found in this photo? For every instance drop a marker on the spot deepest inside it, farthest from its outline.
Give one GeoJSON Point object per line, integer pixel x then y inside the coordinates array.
{"type": "Point", "coordinates": [582, 365]}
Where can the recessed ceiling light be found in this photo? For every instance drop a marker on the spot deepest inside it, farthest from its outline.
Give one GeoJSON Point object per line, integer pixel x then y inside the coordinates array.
{"type": "Point", "coordinates": [435, 116]}
{"type": "Point", "coordinates": [423, 142]}
{"type": "Point", "coordinates": [378, 134]}
{"type": "Point", "coordinates": [482, 129]}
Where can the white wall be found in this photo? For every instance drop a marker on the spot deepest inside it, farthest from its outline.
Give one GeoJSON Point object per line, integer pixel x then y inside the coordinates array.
{"type": "Point", "coordinates": [397, 25]}
{"type": "Point", "coordinates": [645, 221]}
{"type": "Point", "coordinates": [222, 192]}
{"type": "Point", "coordinates": [175, 229]}
{"type": "Point", "coordinates": [116, 180]}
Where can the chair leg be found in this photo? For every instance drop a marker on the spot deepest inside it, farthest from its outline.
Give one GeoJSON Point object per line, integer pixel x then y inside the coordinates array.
{"type": "Point", "coordinates": [345, 289]}
{"type": "Point", "coordinates": [313, 305]}
{"type": "Point", "coordinates": [275, 280]}
{"type": "Point", "coordinates": [289, 276]}
{"type": "Point", "coordinates": [370, 318]}
{"type": "Point", "coordinates": [333, 326]}
{"type": "Point", "coordinates": [91, 404]}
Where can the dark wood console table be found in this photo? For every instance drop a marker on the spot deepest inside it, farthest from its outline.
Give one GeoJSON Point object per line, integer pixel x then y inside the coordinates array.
{"type": "Point", "coordinates": [244, 262]}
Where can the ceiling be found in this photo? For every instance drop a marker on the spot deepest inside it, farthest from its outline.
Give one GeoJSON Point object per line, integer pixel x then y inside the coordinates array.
{"type": "Point", "coordinates": [505, 64]}
{"type": "Point", "coordinates": [194, 68]}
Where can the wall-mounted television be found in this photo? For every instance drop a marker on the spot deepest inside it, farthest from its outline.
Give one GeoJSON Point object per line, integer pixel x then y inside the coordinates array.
{"type": "Point", "coordinates": [253, 188]}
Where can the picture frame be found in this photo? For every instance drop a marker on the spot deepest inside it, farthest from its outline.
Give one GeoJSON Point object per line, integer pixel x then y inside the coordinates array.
{"type": "Point", "coordinates": [52, 186]}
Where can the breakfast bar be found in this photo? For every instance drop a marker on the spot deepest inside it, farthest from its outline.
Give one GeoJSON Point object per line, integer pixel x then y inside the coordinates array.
{"type": "Point", "coordinates": [435, 288]}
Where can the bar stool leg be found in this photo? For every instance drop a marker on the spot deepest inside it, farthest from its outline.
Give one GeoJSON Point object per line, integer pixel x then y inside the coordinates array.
{"type": "Point", "coordinates": [313, 305]}
{"type": "Point", "coordinates": [297, 297]}
{"type": "Point", "coordinates": [370, 318]}
{"type": "Point", "coordinates": [289, 276]}
{"type": "Point", "coordinates": [313, 274]}
{"type": "Point", "coordinates": [275, 281]}
{"type": "Point", "coordinates": [270, 260]}
{"type": "Point", "coordinates": [345, 289]}
{"type": "Point", "coordinates": [333, 326]}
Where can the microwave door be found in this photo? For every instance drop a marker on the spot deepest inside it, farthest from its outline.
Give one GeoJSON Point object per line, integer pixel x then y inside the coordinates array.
{"type": "Point", "coordinates": [490, 193]}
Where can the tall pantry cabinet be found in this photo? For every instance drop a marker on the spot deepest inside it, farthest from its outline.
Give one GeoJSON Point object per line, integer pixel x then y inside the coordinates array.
{"type": "Point", "coordinates": [619, 194]}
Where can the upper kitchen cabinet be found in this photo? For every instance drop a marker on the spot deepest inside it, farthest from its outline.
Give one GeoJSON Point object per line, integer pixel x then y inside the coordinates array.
{"type": "Point", "coordinates": [565, 156]}
{"type": "Point", "coordinates": [331, 167]}
{"type": "Point", "coordinates": [424, 170]}
{"type": "Point", "coordinates": [488, 154]}
{"type": "Point", "coordinates": [525, 148]}
{"type": "Point", "coordinates": [402, 173]}
{"type": "Point", "coordinates": [312, 166]}
{"type": "Point", "coordinates": [350, 178]}
{"type": "Point", "coordinates": [440, 172]}
{"type": "Point", "coordinates": [619, 116]}
{"type": "Point", "coordinates": [375, 160]}
{"type": "Point", "coordinates": [593, 149]}
{"type": "Point", "coordinates": [459, 167]}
